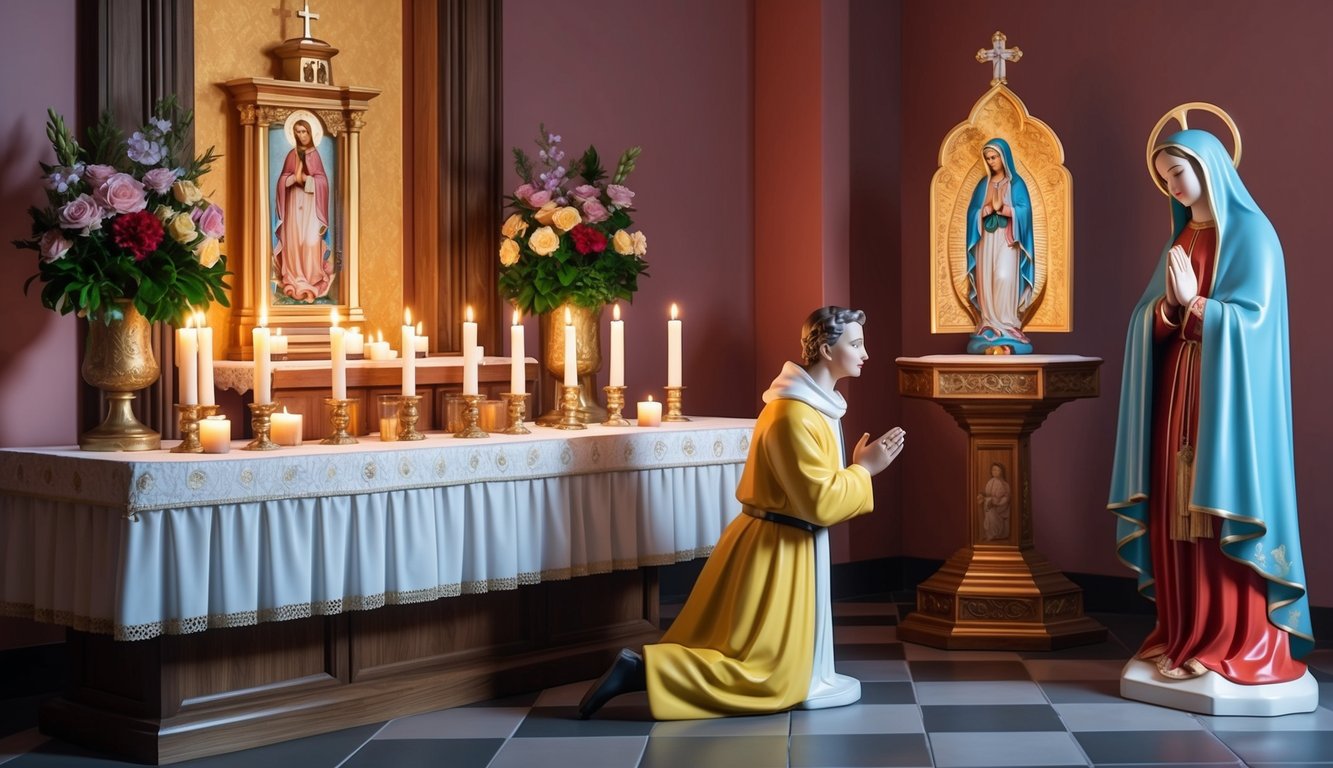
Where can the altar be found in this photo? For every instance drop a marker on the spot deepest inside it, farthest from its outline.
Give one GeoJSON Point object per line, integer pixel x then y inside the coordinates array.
{"type": "Point", "coordinates": [220, 602]}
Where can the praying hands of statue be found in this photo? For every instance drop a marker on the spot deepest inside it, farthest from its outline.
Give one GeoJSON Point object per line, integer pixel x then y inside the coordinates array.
{"type": "Point", "coordinates": [876, 456]}
{"type": "Point", "coordinates": [1181, 283]}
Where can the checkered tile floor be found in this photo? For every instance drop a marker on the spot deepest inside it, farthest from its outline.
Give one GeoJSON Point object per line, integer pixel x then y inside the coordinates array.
{"type": "Point", "coordinates": [920, 707]}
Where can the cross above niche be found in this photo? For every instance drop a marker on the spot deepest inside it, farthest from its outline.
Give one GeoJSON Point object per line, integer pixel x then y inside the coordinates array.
{"type": "Point", "coordinates": [997, 55]}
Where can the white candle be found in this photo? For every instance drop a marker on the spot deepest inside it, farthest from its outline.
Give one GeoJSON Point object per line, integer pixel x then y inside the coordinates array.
{"type": "Point", "coordinates": [469, 333]}
{"type": "Point", "coordinates": [409, 356]}
{"type": "Point", "coordinates": [379, 349]}
{"type": "Point", "coordinates": [518, 380]}
{"type": "Point", "coordinates": [263, 379]}
{"type": "Point", "coordinates": [277, 343]}
{"type": "Point", "coordinates": [673, 350]}
{"type": "Point", "coordinates": [205, 360]}
{"type": "Point", "coordinates": [187, 357]}
{"type": "Point", "coordinates": [215, 434]}
{"type": "Point", "coordinates": [423, 341]}
{"type": "Point", "coordinates": [617, 348]}
{"type": "Point", "coordinates": [356, 343]}
{"type": "Point", "coordinates": [285, 428]}
{"type": "Point", "coordinates": [338, 355]}
{"type": "Point", "coordinates": [471, 359]}
{"type": "Point", "coordinates": [649, 413]}
{"type": "Point", "coordinates": [571, 352]}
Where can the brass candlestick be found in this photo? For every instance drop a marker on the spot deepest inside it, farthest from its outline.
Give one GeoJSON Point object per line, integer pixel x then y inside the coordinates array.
{"type": "Point", "coordinates": [407, 418]}
{"type": "Point", "coordinates": [261, 419]}
{"type": "Point", "coordinates": [673, 404]}
{"type": "Point", "coordinates": [569, 408]}
{"type": "Point", "coordinates": [188, 419]}
{"type": "Point", "coordinates": [471, 413]}
{"type": "Point", "coordinates": [615, 403]}
{"type": "Point", "coordinates": [517, 404]}
{"type": "Point", "coordinates": [339, 420]}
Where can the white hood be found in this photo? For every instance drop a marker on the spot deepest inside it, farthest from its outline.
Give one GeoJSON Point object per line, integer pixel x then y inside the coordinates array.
{"type": "Point", "coordinates": [795, 384]}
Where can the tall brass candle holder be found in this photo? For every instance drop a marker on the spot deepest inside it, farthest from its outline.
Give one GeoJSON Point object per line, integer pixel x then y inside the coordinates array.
{"type": "Point", "coordinates": [339, 419]}
{"type": "Point", "coordinates": [261, 419]}
{"type": "Point", "coordinates": [471, 413]}
{"type": "Point", "coordinates": [517, 405]}
{"type": "Point", "coordinates": [569, 408]}
{"type": "Point", "coordinates": [615, 403]}
{"type": "Point", "coordinates": [407, 418]}
{"type": "Point", "coordinates": [673, 400]}
{"type": "Point", "coordinates": [188, 417]}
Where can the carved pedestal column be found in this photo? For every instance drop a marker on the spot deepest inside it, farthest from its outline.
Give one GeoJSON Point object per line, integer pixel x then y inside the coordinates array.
{"type": "Point", "coordinates": [998, 592]}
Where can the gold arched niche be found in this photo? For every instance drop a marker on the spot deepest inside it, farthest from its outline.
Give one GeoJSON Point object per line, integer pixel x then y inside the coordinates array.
{"type": "Point", "coordinates": [1039, 158]}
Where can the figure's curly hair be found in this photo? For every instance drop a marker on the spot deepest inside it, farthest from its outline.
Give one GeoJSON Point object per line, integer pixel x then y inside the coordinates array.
{"type": "Point", "coordinates": [825, 326]}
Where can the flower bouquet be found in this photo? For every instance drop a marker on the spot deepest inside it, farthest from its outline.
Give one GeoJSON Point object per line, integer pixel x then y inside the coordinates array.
{"type": "Point", "coordinates": [126, 221]}
{"type": "Point", "coordinates": [569, 238]}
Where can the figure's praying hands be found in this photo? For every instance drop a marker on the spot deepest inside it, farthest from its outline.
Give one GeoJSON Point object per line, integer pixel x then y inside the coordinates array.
{"type": "Point", "coordinates": [877, 456]}
{"type": "Point", "coordinates": [1181, 283]}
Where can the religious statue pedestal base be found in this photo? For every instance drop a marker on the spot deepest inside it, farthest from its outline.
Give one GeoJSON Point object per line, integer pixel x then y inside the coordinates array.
{"type": "Point", "coordinates": [1212, 694]}
{"type": "Point", "coordinates": [998, 592]}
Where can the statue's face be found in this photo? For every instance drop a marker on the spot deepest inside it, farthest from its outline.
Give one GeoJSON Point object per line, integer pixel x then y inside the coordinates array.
{"type": "Point", "coordinates": [849, 354]}
{"type": "Point", "coordinates": [994, 471]}
{"type": "Point", "coordinates": [1182, 182]}
{"type": "Point", "coordinates": [302, 134]}
{"type": "Point", "coordinates": [993, 160]}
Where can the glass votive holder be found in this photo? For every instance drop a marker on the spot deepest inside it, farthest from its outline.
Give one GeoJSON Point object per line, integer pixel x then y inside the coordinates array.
{"type": "Point", "coordinates": [388, 417]}
{"type": "Point", "coordinates": [493, 416]}
{"type": "Point", "coordinates": [215, 434]}
{"type": "Point", "coordinates": [453, 412]}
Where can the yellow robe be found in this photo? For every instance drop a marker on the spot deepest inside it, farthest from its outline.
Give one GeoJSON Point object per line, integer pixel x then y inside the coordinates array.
{"type": "Point", "coordinates": [744, 641]}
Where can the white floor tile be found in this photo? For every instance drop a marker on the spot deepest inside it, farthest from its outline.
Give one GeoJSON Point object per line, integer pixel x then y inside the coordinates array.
{"type": "Point", "coordinates": [858, 718]}
{"type": "Point", "coordinates": [602, 751]}
{"type": "Point", "coordinates": [1127, 716]}
{"type": "Point", "coordinates": [986, 692]}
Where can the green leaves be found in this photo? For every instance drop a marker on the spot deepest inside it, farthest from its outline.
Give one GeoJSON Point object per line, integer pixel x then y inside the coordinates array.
{"type": "Point", "coordinates": [626, 165]}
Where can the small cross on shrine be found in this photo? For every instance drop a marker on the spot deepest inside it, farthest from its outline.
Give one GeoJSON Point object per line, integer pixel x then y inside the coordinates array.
{"type": "Point", "coordinates": [307, 15]}
{"type": "Point", "coordinates": [997, 55]}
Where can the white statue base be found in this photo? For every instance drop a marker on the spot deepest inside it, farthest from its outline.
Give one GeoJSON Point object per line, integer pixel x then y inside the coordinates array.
{"type": "Point", "coordinates": [1212, 694]}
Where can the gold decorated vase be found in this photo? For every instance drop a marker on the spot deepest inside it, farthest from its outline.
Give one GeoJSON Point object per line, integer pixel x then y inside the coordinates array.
{"type": "Point", "coordinates": [118, 360]}
{"type": "Point", "coordinates": [588, 350]}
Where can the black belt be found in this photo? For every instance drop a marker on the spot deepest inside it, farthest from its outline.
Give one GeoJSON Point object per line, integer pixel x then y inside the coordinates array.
{"type": "Point", "coordinates": [780, 519]}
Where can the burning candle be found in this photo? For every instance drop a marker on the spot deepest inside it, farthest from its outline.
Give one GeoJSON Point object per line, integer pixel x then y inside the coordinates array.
{"type": "Point", "coordinates": [649, 413]}
{"type": "Point", "coordinates": [285, 428]}
{"type": "Point", "coordinates": [205, 359]}
{"type": "Point", "coordinates": [356, 343]}
{"type": "Point", "coordinates": [215, 434]}
{"type": "Point", "coordinates": [673, 349]}
{"type": "Point", "coordinates": [409, 356]}
{"type": "Point", "coordinates": [263, 379]}
{"type": "Point", "coordinates": [423, 341]}
{"type": "Point", "coordinates": [571, 352]}
{"type": "Point", "coordinates": [617, 378]}
{"type": "Point", "coordinates": [518, 379]}
{"type": "Point", "coordinates": [187, 357]}
{"type": "Point", "coordinates": [469, 333]}
{"type": "Point", "coordinates": [338, 355]}
{"type": "Point", "coordinates": [277, 343]}
{"type": "Point", "coordinates": [471, 361]}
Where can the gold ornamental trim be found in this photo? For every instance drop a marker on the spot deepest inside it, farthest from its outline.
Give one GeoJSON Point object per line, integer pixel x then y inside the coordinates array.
{"type": "Point", "coordinates": [996, 609]}
{"type": "Point", "coordinates": [1083, 383]}
{"type": "Point", "coordinates": [987, 383]}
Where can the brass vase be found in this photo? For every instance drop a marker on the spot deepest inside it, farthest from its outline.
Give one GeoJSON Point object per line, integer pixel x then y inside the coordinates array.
{"type": "Point", "coordinates": [118, 360]}
{"type": "Point", "coordinates": [587, 348]}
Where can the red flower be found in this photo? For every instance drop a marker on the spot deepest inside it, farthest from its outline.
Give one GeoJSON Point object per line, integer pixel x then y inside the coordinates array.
{"type": "Point", "coordinates": [139, 233]}
{"type": "Point", "coordinates": [587, 240]}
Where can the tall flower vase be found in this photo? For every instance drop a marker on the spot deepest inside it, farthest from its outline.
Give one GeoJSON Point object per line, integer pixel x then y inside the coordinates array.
{"type": "Point", "coordinates": [588, 349]}
{"type": "Point", "coordinates": [119, 361]}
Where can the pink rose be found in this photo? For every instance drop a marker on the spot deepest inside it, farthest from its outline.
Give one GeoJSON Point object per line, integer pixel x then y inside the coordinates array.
{"type": "Point", "coordinates": [594, 212]}
{"type": "Point", "coordinates": [539, 198]}
{"type": "Point", "coordinates": [122, 193]}
{"type": "Point", "coordinates": [82, 213]}
{"type": "Point", "coordinates": [524, 192]}
{"type": "Point", "coordinates": [54, 245]}
{"type": "Point", "coordinates": [620, 196]}
{"type": "Point", "coordinates": [159, 180]}
{"type": "Point", "coordinates": [96, 175]}
{"type": "Point", "coordinates": [209, 221]}
{"type": "Point", "coordinates": [585, 192]}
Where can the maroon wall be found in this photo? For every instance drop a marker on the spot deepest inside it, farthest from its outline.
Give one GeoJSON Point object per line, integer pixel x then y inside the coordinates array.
{"type": "Point", "coordinates": [1101, 81]}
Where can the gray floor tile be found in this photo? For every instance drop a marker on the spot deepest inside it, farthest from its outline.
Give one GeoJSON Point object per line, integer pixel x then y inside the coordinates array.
{"type": "Point", "coordinates": [916, 652]}
{"type": "Point", "coordinates": [1125, 716]}
{"type": "Point", "coordinates": [460, 723]}
{"type": "Point", "coordinates": [1234, 764]}
{"type": "Point", "coordinates": [1082, 691]}
{"type": "Point", "coordinates": [969, 671]}
{"type": "Point", "coordinates": [874, 671]}
{"type": "Point", "coordinates": [543, 722]}
{"type": "Point", "coordinates": [846, 751]}
{"type": "Point", "coordinates": [603, 752]}
{"type": "Point", "coordinates": [425, 753]}
{"type": "Point", "coordinates": [859, 718]}
{"type": "Point", "coordinates": [717, 752]}
{"type": "Point", "coordinates": [1154, 747]}
{"type": "Point", "coordinates": [990, 750]}
{"type": "Point", "coordinates": [1319, 720]}
{"type": "Point", "coordinates": [517, 700]}
{"type": "Point", "coordinates": [1111, 648]}
{"type": "Point", "coordinates": [844, 635]}
{"type": "Point", "coordinates": [1086, 669]}
{"type": "Point", "coordinates": [758, 725]}
{"type": "Point", "coordinates": [1280, 746]}
{"type": "Point", "coordinates": [995, 692]}
{"type": "Point", "coordinates": [997, 717]}
{"type": "Point", "coordinates": [887, 693]}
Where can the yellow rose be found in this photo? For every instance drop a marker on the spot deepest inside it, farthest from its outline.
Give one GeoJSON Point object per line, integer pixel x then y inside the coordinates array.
{"type": "Point", "coordinates": [622, 243]}
{"type": "Point", "coordinates": [208, 252]}
{"type": "Point", "coordinates": [544, 214]}
{"type": "Point", "coordinates": [181, 228]}
{"type": "Point", "coordinates": [544, 241]}
{"type": "Point", "coordinates": [566, 218]}
{"type": "Point", "coordinates": [514, 226]}
{"type": "Point", "coordinates": [164, 213]}
{"type": "Point", "coordinates": [640, 244]}
{"type": "Point", "coordinates": [508, 253]}
{"type": "Point", "coordinates": [186, 192]}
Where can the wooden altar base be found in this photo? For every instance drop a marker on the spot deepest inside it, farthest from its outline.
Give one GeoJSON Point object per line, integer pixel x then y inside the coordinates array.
{"type": "Point", "coordinates": [179, 697]}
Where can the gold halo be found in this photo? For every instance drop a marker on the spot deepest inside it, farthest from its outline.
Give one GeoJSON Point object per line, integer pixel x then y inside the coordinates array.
{"type": "Point", "coordinates": [1179, 115]}
{"type": "Point", "coordinates": [316, 127]}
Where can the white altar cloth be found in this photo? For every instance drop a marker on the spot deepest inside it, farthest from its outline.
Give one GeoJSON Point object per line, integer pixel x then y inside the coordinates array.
{"type": "Point", "coordinates": [138, 545]}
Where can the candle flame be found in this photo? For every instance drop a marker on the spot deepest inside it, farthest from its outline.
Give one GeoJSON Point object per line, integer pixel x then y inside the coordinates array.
{"type": "Point", "coordinates": [277, 332]}
{"type": "Point", "coordinates": [517, 317]}
{"type": "Point", "coordinates": [284, 409]}
{"type": "Point", "coordinates": [263, 318]}
{"type": "Point", "coordinates": [615, 311]}
{"type": "Point", "coordinates": [189, 321]}
{"type": "Point", "coordinates": [333, 318]}
{"type": "Point", "coordinates": [469, 313]}
{"type": "Point", "coordinates": [407, 316]}
{"type": "Point", "coordinates": [199, 319]}
{"type": "Point", "coordinates": [674, 310]}
{"type": "Point", "coordinates": [356, 330]}
{"type": "Point", "coordinates": [421, 327]}
{"type": "Point", "coordinates": [379, 335]}
{"type": "Point", "coordinates": [569, 317]}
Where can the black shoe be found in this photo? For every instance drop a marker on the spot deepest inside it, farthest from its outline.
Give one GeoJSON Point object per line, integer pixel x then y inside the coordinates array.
{"type": "Point", "coordinates": [625, 676]}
